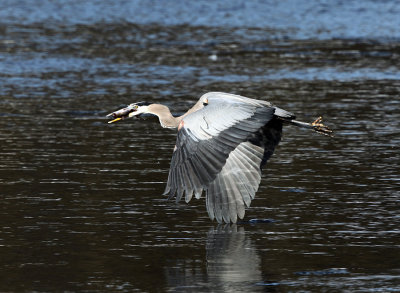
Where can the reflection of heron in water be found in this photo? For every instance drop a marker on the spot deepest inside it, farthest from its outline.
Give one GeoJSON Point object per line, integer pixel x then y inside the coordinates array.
{"type": "Point", "coordinates": [233, 264]}
{"type": "Point", "coordinates": [223, 142]}
{"type": "Point", "coordinates": [232, 259]}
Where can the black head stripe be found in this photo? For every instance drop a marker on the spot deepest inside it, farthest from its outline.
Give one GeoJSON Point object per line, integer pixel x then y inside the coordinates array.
{"type": "Point", "coordinates": [142, 104]}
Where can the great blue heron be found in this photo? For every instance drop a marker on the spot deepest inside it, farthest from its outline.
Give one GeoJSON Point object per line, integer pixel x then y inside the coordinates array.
{"type": "Point", "coordinates": [223, 142]}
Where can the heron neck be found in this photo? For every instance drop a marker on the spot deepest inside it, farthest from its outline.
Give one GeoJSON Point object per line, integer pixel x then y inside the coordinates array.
{"type": "Point", "coordinates": [167, 120]}
{"type": "Point", "coordinates": [165, 116]}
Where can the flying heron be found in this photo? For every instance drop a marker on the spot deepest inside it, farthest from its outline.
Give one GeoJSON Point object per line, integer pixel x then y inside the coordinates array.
{"type": "Point", "coordinates": [223, 143]}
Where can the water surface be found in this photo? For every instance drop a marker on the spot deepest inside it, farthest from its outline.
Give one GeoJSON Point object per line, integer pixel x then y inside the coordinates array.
{"type": "Point", "coordinates": [82, 206]}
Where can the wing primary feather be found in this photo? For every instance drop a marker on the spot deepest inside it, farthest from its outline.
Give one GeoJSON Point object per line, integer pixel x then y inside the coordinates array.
{"type": "Point", "coordinates": [195, 172]}
{"type": "Point", "coordinates": [200, 170]}
{"type": "Point", "coordinates": [197, 192]}
{"type": "Point", "coordinates": [231, 197]}
{"type": "Point", "coordinates": [172, 185]}
{"type": "Point", "coordinates": [167, 188]}
{"type": "Point", "coordinates": [251, 155]}
{"type": "Point", "coordinates": [218, 186]}
{"type": "Point", "coordinates": [241, 184]}
{"type": "Point", "coordinates": [187, 184]}
{"type": "Point", "coordinates": [210, 201]}
{"type": "Point", "coordinates": [179, 194]}
{"type": "Point", "coordinates": [255, 170]}
{"type": "Point", "coordinates": [247, 192]}
{"type": "Point", "coordinates": [250, 175]}
{"type": "Point", "coordinates": [212, 160]}
{"type": "Point", "coordinates": [251, 172]}
{"type": "Point", "coordinates": [224, 200]}
{"type": "Point", "coordinates": [179, 189]}
{"type": "Point", "coordinates": [208, 165]}
{"type": "Point", "coordinates": [197, 186]}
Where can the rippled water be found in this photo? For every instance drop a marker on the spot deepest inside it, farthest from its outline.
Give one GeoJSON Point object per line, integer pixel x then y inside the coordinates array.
{"type": "Point", "coordinates": [82, 208]}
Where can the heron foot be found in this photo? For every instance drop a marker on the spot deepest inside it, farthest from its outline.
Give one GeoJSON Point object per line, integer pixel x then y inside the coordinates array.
{"type": "Point", "coordinates": [319, 127]}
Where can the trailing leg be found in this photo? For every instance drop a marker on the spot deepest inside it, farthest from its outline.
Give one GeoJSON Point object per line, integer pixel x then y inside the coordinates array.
{"type": "Point", "coordinates": [317, 126]}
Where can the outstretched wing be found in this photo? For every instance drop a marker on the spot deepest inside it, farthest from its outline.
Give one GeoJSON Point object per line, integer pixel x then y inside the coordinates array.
{"type": "Point", "coordinates": [236, 185]}
{"type": "Point", "coordinates": [208, 136]}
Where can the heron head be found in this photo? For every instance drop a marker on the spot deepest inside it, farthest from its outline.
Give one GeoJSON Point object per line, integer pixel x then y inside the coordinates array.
{"type": "Point", "coordinates": [135, 109]}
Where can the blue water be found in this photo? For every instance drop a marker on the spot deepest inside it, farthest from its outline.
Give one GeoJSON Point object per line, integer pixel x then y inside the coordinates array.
{"type": "Point", "coordinates": [293, 19]}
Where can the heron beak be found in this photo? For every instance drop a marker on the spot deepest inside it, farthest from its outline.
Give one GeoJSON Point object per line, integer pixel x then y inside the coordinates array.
{"type": "Point", "coordinates": [115, 120]}
{"type": "Point", "coordinates": [121, 114]}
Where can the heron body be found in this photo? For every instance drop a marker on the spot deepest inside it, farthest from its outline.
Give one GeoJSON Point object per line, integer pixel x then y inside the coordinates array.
{"type": "Point", "coordinates": [223, 143]}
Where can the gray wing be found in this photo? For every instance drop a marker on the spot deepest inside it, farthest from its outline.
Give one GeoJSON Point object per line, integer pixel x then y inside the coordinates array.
{"type": "Point", "coordinates": [206, 139]}
{"type": "Point", "coordinates": [221, 148]}
{"type": "Point", "coordinates": [236, 185]}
